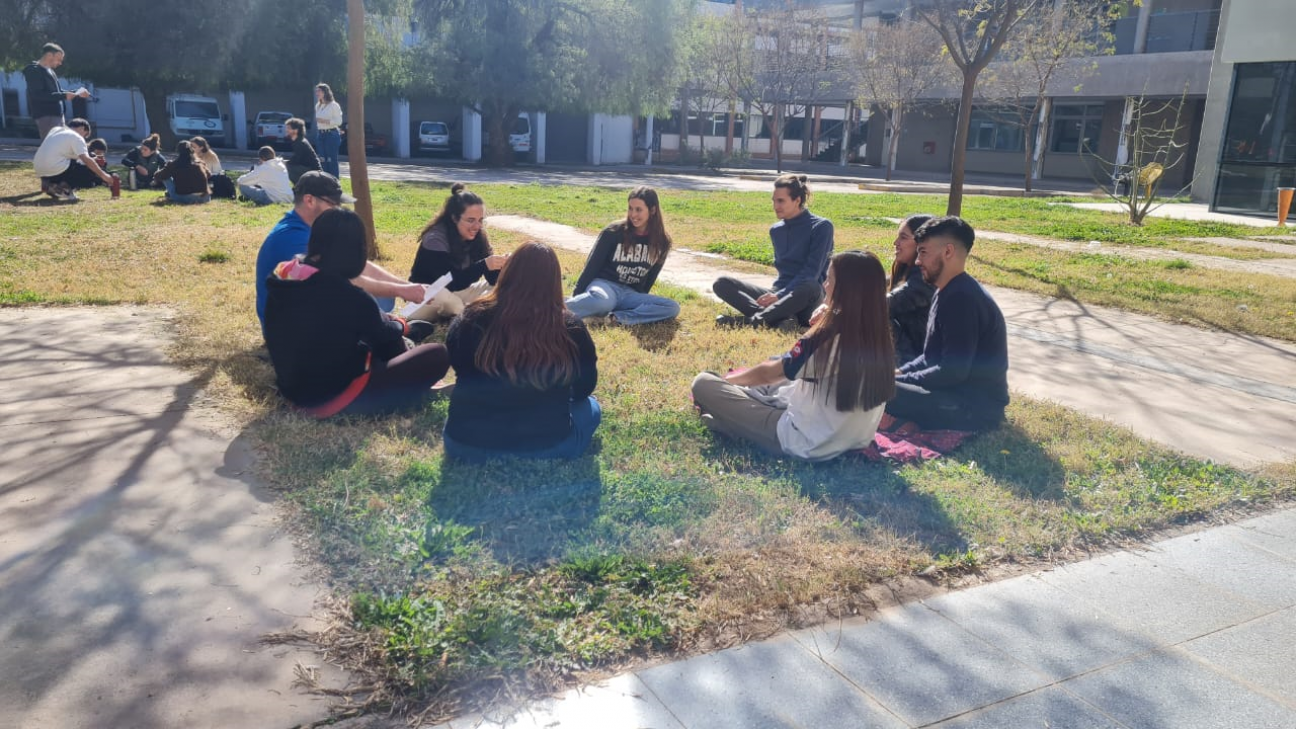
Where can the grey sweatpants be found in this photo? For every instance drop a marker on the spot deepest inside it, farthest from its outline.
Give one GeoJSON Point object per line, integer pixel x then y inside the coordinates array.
{"type": "Point", "coordinates": [728, 410]}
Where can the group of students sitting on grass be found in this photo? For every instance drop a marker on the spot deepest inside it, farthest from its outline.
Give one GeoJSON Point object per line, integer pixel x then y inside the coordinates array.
{"type": "Point", "coordinates": [928, 346]}
{"type": "Point", "coordinates": [67, 162]}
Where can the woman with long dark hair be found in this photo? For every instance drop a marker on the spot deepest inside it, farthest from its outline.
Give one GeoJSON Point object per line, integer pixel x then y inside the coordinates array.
{"type": "Point", "coordinates": [333, 350]}
{"type": "Point", "coordinates": [825, 396]}
{"type": "Point", "coordinates": [328, 137]}
{"type": "Point", "coordinates": [455, 242]}
{"type": "Point", "coordinates": [185, 177]}
{"type": "Point", "coordinates": [623, 266]}
{"type": "Point", "coordinates": [909, 298]}
{"type": "Point", "coordinates": [525, 368]}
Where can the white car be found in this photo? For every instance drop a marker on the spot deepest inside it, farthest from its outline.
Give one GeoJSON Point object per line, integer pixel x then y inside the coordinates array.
{"type": "Point", "coordinates": [434, 137]}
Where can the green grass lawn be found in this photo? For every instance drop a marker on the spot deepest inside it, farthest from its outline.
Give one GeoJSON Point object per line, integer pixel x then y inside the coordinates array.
{"type": "Point", "coordinates": [457, 581]}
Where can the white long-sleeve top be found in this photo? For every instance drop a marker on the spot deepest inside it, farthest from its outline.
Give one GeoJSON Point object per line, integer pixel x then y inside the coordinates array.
{"type": "Point", "coordinates": [328, 116]}
{"type": "Point", "coordinates": [271, 176]}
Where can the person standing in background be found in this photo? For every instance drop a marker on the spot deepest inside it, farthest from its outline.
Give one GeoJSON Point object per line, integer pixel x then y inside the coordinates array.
{"type": "Point", "coordinates": [328, 139]}
{"type": "Point", "coordinates": [45, 96]}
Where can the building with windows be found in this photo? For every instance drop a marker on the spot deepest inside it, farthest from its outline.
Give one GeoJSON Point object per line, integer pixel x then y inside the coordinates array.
{"type": "Point", "coordinates": [1248, 138]}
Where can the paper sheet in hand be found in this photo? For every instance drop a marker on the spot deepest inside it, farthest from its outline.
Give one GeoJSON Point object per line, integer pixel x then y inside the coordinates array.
{"type": "Point", "coordinates": [433, 289]}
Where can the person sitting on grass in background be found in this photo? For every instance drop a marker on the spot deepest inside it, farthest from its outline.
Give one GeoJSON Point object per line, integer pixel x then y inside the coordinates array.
{"type": "Point", "coordinates": [221, 185]}
{"type": "Point", "coordinates": [960, 381]}
{"type": "Point", "coordinates": [455, 242]}
{"type": "Point", "coordinates": [908, 295]}
{"type": "Point", "coordinates": [333, 351]}
{"type": "Point", "coordinates": [802, 244]}
{"type": "Point", "coordinates": [98, 150]}
{"type": "Point", "coordinates": [185, 178]}
{"type": "Point", "coordinates": [268, 181]}
{"type": "Point", "coordinates": [525, 368]}
{"type": "Point", "coordinates": [826, 395]}
{"type": "Point", "coordinates": [315, 193]}
{"type": "Point", "coordinates": [64, 164]}
{"type": "Point", "coordinates": [142, 163]}
{"type": "Point", "coordinates": [623, 266]}
{"type": "Point", "coordinates": [303, 157]}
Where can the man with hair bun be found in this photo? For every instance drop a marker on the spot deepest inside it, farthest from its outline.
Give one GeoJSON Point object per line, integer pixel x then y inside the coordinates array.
{"type": "Point", "coordinates": [960, 381]}
{"type": "Point", "coordinates": [802, 243]}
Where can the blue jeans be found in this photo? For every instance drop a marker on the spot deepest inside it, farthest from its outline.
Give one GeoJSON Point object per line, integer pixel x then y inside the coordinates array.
{"type": "Point", "coordinates": [627, 305]}
{"type": "Point", "coordinates": [586, 416]}
{"type": "Point", "coordinates": [191, 198]}
{"type": "Point", "coordinates": [327, 144]}
{"type": "Point", "coordinates": [255, 193]}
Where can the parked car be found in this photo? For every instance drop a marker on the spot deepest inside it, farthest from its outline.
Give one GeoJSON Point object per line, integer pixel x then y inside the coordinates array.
{"type": "Point", "coordinates": [193, 115]}
{"type": "Point", "coordinates": [268, 130]}
{"type": "Point", "coordinates": [519, 135]}
{"type": "Point", "coordinates": [374, 142]}
{"type": "Point", "coordinates": [434, 137]}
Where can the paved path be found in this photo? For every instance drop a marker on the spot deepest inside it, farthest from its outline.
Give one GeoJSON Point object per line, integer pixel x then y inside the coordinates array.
{"type": "Point", "coordinates": [1219, 395]}
{"type": "Point", "coordinates": [1193, 633]}
{"type": "Point", "coordinates": [139, 560]}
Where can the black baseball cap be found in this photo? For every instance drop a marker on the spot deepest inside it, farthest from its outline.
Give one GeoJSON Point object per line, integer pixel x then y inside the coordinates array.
{"type": "Point", "coordinates": [324, 186]}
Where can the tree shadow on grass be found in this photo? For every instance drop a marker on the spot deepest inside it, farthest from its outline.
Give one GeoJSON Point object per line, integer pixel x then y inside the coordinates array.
{"type": "Point", "coordinates": [655, 337]}
{"type": "Point", "coordinates": [1017, 462]}
{"type": "Point", "coordinates": [525, 512]}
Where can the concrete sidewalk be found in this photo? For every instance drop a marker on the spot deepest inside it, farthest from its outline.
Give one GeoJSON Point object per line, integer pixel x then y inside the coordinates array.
{"type": "Point", "coordinates": [1212, 394]}
{"type": "Point", "coordinates": [140, 562]}
{"type": "Point", "coordinates": [1193, 633]}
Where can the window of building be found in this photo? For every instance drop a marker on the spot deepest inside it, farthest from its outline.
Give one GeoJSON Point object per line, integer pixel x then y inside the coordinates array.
{"type": "Point", "coordinates": [995, 130]}
{"type": "Point", "coordinates": [1259, 151]}
{"type": "Point", "coordinates": [1076, 127]}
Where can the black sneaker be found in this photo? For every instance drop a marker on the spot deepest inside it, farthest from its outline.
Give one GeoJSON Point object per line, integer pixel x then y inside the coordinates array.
{"type": "Point", "coordinates": [729, 321]}
{"type": "Point", "coordinates": [420, 330]}
{"type": "Point", "coordinates": [788, 325]}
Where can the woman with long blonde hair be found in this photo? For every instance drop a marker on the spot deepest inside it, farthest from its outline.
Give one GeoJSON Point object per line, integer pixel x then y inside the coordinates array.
{"type": "Point", "coordinates": [525, 368]}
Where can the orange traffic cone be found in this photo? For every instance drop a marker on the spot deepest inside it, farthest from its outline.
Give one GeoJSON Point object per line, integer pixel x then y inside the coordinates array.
{"type": "Point", "coordinates": [1284, 204]}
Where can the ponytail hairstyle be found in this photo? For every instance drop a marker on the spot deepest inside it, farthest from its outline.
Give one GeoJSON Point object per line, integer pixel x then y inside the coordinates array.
{"type": "Point", "coordinates": [184, 154]}
{"type": "Point", "coordinates": [151, 141]}
{"type": "Point", "coordinates": [527, 342]}
{"type": "Point", "coordinates": [659, 241]}
{"type": "Point", "coordinates": [328, 93]}
{"type": "Point", "coordinates": [462, 253]}
{"type": "Point", "coordinates": [796, 186]}
{"type": "Point", "coordinates": [900, 271]}
{"type": "Point", "coordinates": [854, 335]}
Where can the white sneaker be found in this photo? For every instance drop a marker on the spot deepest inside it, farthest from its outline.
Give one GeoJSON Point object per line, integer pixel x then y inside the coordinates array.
{"type": "Point", "coordinates": [64, 193]}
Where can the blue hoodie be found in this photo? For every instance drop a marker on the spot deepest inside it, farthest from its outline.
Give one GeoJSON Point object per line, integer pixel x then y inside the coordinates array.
{"type": "Point", "coordinates": [802, 247]}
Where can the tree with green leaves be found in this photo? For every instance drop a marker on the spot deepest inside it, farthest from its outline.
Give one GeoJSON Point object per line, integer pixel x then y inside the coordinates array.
{"type": "Point", "coordinates": [502, 57]}
{"type": "Point", "coordinates": [974, 31]}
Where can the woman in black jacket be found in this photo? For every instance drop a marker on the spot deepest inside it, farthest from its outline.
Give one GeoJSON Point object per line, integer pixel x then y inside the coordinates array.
{"type": "Point", "coordinates": [456, 243]}
{"type": "Point", "coordinates": [143, 162]}
{"type": "Point", "coordinates": [909, 298]}
{"type": "Point", "coordinates": [525, 368]}
{"type": "Point", "coordinates": [333, 350]}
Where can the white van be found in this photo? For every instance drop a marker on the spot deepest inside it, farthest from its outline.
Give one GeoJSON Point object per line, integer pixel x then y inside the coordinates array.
{"type": "Point", "coordinates": [192, 115]}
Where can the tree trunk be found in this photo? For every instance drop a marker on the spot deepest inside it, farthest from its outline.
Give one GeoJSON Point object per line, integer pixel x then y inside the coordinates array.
{"type": "Point", "coordinates": [499, 151]}
{"type": "Point", "coordinates": [776, 143]}
{"type": "Point", "coordinates": [894, 119]}
{"type": "Point", "coordinates": [159, 122]}
{"type": "Point", "coordinates": [729, 131]}
{"type": "Point", "coordinates": [1029, 145]}
{"type": "Point", "coordinates": [359, 166]}
{"type": "Point", "coordinates": [959, 159]}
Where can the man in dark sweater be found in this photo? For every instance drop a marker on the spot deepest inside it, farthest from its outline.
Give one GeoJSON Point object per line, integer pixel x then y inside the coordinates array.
{"type": "Point", "coordinates": [45, 96]}
{"type": "Point", "coordinates": [303, 157]}
{"type": "Point", "coordinates": [960, 381]}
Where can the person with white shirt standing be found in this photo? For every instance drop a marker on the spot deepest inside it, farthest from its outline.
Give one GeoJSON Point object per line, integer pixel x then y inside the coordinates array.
{"type": "Point", "coordinates": [328, 137]}
{"type": "Point", "coordinates": [64, 164]}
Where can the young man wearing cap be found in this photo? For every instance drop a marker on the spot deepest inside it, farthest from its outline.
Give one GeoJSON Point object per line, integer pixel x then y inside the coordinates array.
{"type": "Point", "coordinates": [64, 164]}
{"type": "Point", "coordinates": [45, 96]}
{"type": "Point", "coordinates": [960, 381]}
{"type": "Point", "coordinates": [315, 193]}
